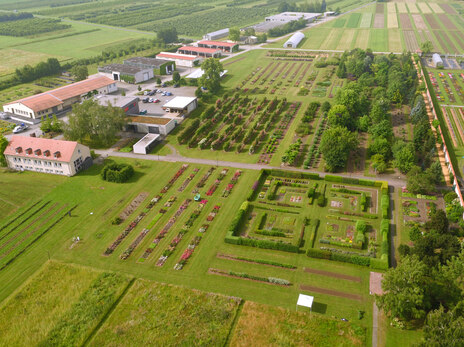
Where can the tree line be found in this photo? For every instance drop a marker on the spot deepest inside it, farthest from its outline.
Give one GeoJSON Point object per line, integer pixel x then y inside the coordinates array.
{"type": "Point", "coordinates": [316, 6]}
{"type": "Point", "coordinates": [7, 16]}
{"type": "Point", "coordinates": [289, 27]}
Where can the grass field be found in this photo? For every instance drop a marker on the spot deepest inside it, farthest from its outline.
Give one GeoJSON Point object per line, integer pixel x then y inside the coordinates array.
{"type": "Point", "coordinates": [99, 202]}
{"type": "Point", "coordinates": [291, 329]}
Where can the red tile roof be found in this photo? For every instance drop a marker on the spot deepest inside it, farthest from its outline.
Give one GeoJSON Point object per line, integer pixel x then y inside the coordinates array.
{"type": "Point", "coordinates": [57, 96]}
{"type": "Point", "coordinates": [66, 148]}
{"type": "Point", "coordinates": [198, 49]}
{"type": "Point", "coordinates": [176, 56]}
{"type": "Point", "coordinates": [218, 43]}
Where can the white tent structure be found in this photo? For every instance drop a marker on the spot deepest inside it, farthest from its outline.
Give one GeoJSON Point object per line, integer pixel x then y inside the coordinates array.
{"type": "Point", "coordinates": [294, 41]}
{"type": "Point", "coordinates": [305, 300]}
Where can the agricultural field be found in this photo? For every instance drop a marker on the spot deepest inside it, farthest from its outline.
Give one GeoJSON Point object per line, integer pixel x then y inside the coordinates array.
{"type": "Point", "coordinates": [416, 23]}
{"type": "Point", "coordinates": [168, 233]}
{"type": "Point", "coordinates": [263, 84]}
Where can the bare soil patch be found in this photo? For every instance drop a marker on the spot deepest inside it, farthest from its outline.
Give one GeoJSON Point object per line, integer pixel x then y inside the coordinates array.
{"type": "Point", "coordinates": [379, 20]}
{"type": "Point", "coordinates": [447, 21]}
{"type": "Point", "coordinates": [331, 292]}
{"type": "Point", "coordinates": [448, 9]}
{"type": "Point", "coordinates": [333, 274]}
{"type": "Point", "coordinates": [375, 283]}
{"type": "Point", "coordinates": [380, 8]}
{"type": "Point", "coordinates": [411, 41]}
{"type": "Point", "coordinates": [432, 21]}
{"type": "Point", "coordinates": [405, 21]}
{"type": "Point", "coordinates": [419, 22]}
{"type": "Point", "coordinates": [133, 205]}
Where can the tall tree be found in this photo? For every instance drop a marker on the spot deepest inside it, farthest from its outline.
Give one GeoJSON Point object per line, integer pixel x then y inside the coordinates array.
{"type": "Point", "coordinates": [79, 72]}
{"type": "Point", "coordinates": [443, 329]}
{"type": "Point", "coordinates": [167, 35]}
{"type": "Point", "coordinates": [336, 144]}
{"type": "Point", "coordinates": [234, 34]}
{"type": "Point", "coordinates": [426, 47]}
{"type": "Point", "coordinates": [94, 123]}
{"type": "Point", "coordinates": [3, 145]}
{"type": "Point", "coordinates": [405, 290]}
{"type": "Point", "coordinates": [211, 78]}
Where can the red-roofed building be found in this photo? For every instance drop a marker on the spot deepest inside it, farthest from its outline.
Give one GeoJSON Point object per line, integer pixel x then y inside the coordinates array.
{"type": "Point", "coordinates": [47, 155]}
{"type": "Point", "coordinates": [200, 51]}
{"type": "Point", "coordinates": [223, 46]}
{"type": "Point", "coordinates": [57, 100]}
{"type": "Point", "coordinates": [185, 60]}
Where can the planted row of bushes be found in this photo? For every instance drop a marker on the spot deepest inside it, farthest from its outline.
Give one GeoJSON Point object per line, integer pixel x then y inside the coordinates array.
{"type": "Point", "coordinates": [385, 245]}
{"type": "Point", "coordinates": [313, 231]}
{"type": "Point", "coordinates": [363, 202]}
{"type": "Point", "coordinates": [385, 204]}
{"type": "Point", "coordinates": [239, 218]}
{"type": "Point", "coordinates": [270, 233]}
{"type": "Point", "coordinates": [374, 263]}
{"type": "Point", "coordinates": [255, 188]}
{"type": "Point", "coordinates": [259, 278]}
{"type": "Point", "coordinates": [265, 244]}
{"type": "Point", "coordinates": [359, 181]}
{"type": "Point", "coordinates": [265, 262]}
{"type": "Point", "coordinates": [273, 190]}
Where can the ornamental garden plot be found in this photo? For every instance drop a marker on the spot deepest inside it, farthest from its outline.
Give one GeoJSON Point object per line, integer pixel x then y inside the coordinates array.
{"type": "Point", "coordinates": [335, 218]}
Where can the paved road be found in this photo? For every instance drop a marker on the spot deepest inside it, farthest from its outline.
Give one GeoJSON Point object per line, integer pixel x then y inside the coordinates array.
{"type": "Point", "coordinates": [178, 158]}
{"type": "Point", "coordinates": [375, 324]}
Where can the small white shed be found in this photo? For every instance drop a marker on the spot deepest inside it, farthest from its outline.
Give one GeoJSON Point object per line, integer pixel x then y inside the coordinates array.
{"type": "Point", "coordinates": [436, 60]}
{"type": "Point", "coordinates": [295, 40]}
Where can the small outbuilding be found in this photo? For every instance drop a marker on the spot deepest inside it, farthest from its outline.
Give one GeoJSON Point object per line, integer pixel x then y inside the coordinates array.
{"type": "Point", "coordinates": [436, 60]}
{"type": "Point", "coordinates": [295, 40]}
{"type": "Point", "coordinates": [146, 144]}
{"type": "Point", "coordinates": [151, 125]}
{"type": "Point", "coordinates": [129, 104]}
{"type": "Point", "coordinates": [181, 105]}
{"type": "Point", "coordinates": [159, 66]}
{"type": "Point", "coordinates": [126, 73]}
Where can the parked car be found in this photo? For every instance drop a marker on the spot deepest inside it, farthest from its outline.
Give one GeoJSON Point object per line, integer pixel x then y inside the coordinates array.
{"type": "Point", "coordinates": [164, 85]}
{"type": "Point", "coordinates": [151, 93]}
{"type": "Point", "coordinates": [142, 112]}
{"type": "Point", "coordinates": [145, 100]}
{"type": "Point", "coordinates": [156, 101]}
{"type": "Point", "coordinates": [168, 94]}
{"type": "Point", "coordinates": [145, 93]}
{"type": "Point", "coordinates": [151, 100]}
{"type": "Point", "coordinates": [20, 128]}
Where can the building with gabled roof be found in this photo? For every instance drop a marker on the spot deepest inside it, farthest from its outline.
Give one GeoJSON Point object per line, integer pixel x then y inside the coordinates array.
{"type": "Point", "coordinates": [223, 46]}
{"type": "Point", "coordinates": [47, 155]}
{"type": "Point", "coordinates": [200, 51]}
{"type": "Point", "coordinates": [185, 60]}
{"type": "Point", "coordinates": [60, 99]}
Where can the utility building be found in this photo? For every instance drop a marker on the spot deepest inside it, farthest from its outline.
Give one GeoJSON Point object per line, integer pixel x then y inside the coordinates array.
{"type": "Point", "coordinates": [159, 66]}
{"type": "Point", "coordinates": [295, 40]}
{"type": "Point", "coordinates": [126, 73]}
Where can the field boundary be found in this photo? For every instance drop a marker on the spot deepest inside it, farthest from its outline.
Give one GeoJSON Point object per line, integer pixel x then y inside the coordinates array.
{"type": "Point", "coordinates": [333, 274]}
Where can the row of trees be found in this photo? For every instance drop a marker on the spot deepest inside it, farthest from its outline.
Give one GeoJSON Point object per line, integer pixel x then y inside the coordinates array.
{"type": "Point", "coordinates": [289, 27]}
{"type": "Point", "coordinates": [11, 16]}
{"type": "Point", "coordinates": [31, 26]}
{"type": "Point", "coordinates": [315, 6]}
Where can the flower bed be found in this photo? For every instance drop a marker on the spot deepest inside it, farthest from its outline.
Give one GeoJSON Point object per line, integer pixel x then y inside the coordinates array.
{"type": "Point", "coordinates": [174, 178]}
{"type": "Point", "coordinates": [203, 180]}
{"type": "Point", "coordinates": [126, 254]}
{"type": "Point", "coordinates": [165, 230]}
{"type": "Point", "coordinates": [215, 185]}
{"type": "Point", "coordinates": [124, 234]}
{"type": "Point", "coordinates": [188, 180]}
{"type": "Point", "coordinates": [231, 184]}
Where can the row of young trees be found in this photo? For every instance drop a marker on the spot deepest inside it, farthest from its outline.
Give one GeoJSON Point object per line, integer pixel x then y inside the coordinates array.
{"type": "Point", "coordinates": [315, 6]}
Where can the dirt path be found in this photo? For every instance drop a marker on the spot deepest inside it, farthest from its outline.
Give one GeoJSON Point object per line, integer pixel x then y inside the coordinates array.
{"type": "Point", "coordinates": [333, 274]}
{"type": "Point", "coordinates": [331, 292]}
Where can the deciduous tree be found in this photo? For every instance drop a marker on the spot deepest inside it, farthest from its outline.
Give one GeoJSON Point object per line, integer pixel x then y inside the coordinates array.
{"type": "Point", "coordinates": [336, 144]}
{"type": "Point", "coordinates": [211, 78]}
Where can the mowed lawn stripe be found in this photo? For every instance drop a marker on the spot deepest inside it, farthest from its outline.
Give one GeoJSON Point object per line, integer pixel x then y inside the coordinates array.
{"type": "Point", "coordinates": [347, 39]}
{"type": "Point", "coordinates": [353, 21]}
{"type": "Point", "coordinates": [394, 41]}
{"type": "Point", "coordinates": [366, 20]}
{"type": "Point", "coordinates": [378, 40]}
{"type": "Point", "coordinates": [332, 39]}
{"type": "Point", "coordinates": [362, 39]}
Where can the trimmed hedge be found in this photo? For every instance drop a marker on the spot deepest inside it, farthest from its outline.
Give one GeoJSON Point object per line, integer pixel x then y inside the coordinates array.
{"type": "Point", "coordinates": [318, 253]}
{"type": "Point", "coordinates": [261, 179]}
{"type": "Point", "coordinates": [266, 244]}
{"type": "Point", "coordinates": [118, 173]}
{"type": "Point", "coordinates": [270, 233]}
{"type": "Point", "coordinates": [363, 202]}
{"type": "Point", "coordinates": [292, 174]}
{"type": "Point", "coordinates": [314, 226]}
{"type": "Point", "coordinates": [379, 264]}
{"type": "Point", "coordinates": [346, 258]}
{"type": "Point", "coordinates": [362, 182]}
{"type": "Point", "coordinates": [385, 204]}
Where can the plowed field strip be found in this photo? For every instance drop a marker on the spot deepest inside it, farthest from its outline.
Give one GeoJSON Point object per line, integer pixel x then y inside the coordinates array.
{"type": "Point", "coordinates": [347, 39]}
{"type": "Point", "coordinates": [419, 22]}
{"type": "Point", "coordinates": [330, 292]}
{"type": "Point", "coordinates": [448, 24]}
{"type": "Point", "coordinates": [379, 21]}
{"type": "Point", "coordinates": [432, 21]}
{"type": "Point", "coordinates": [405, 21]}
{"type": "Point", "coordinates": [410, 40]}
{"type": "Point", "coordinates": [401, 7]}
{"type": "Point", "coordinates": [380, 8]}
{"type": "Point", "coordinates": [458, 38]}
{"type": "Point", "coordinates": [362, 39]}
{"type": "Point", "coordinates": [391, 8]}
{"type": "Point", "coordinates": [448, 9]}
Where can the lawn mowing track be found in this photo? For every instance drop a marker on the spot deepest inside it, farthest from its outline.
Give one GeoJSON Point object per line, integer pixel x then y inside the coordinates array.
{"type": "Point", "coordinates": [449, 25]}
{"type": "Point", "coordinates": [405, 21]}
{"type": "Point", "coordinates": [448, 9]}
{"type": "Point", "coordinates": [32, 232]}
{"type": "Point", "coordinates": [21, 222]}
{"type": "Point", "coordinates": [8, 241]}
{"type": "Point", "coordinates": [432, 21]}
{"type": "Point", "coordinates": [330, 292]}
{"type": "Point", "coordinates": [333, 274]}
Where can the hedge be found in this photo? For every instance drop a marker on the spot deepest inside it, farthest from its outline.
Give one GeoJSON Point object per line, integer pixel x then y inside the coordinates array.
{"type": "Point", "coordinates": [266, 244]}
{"type": "Point", "coordinates": [318, 253]}
{"type": "Point", "coordinates": [385, 203]}
{"type": "Point", "coordinates": [273, 190]}
{"type": "Point", "coordinates": [346, 258]}
{"type": "Point", "coordinates": [262, 220]}
{"type": "Point", "coordinates": [314, 226]}
{"type": "Point", "coordinates": [362, 182]}
{"type": "Point", "coordinates": [262, 177]}
{"type": "Point", "coordinates": [363, 202]}
{"type": "Point", "coordinates": [118, 173]}
{"type": "Point", "coordinates": [270, 233]}
{"type": "Point", "coordinates": [237, 221]}
{"type": "Point", "coordinates": [292, 174]}
{"type": "Point", "coordinates": [379, 264]}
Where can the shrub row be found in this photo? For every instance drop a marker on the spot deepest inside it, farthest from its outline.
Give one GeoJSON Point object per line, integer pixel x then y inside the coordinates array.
{"type": "Point", "coordinates": [270, 233]}
{"type": "Point", "coordinates": [273, 190]}
{"type": "Point", "coordinates": [379, 264]}
{"type": "Point", "coordinates": [314, 226]}
{"type": "Point", "coordinates": [238, 220]}
{"type": "Point", "coordinates": [362, 182]}
{"type": "Point", "coordinates": [385, 204]}
{"type": "Point", "coordinates": [363, 202]}
{"type": "Point", "coordinates": [257, 185]}
{"type": "Point", "coordinates": [266, 262]}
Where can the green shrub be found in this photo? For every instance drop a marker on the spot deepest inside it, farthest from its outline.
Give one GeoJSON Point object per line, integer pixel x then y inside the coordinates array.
{"type": "Point", "coordinates": [332, 178]}
{"type": "Point", "coordinates": [379, 264]}
{"type": "Point", "coordinates": [321, 200]}
{"type": "Point", "coordinates": [384, 247]}
{"type": "Point", "coordinates": [116, 221]}
{"type": "Point", "coordinates": [262, 221]}
{"type": "Point", "coordinates": [318, 253]}
{"type": "Point", "coordinates": [363, 202]}
{"type": "Point", "coordinates": [118, 173]}
{"type": "Point", "coordinates": [385, 203]}
{"type": "Point", "coordinates": [270, 233]}
{"type": "Point", "coordinates": [314, 226]}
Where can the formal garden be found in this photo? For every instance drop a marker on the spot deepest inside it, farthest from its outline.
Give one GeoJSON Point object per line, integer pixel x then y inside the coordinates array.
{"type": "Point", "coordinates": [334, 218]}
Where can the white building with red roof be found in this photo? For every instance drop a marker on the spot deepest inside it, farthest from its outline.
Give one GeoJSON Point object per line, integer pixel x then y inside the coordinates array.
{"type": "Point", "coordinates": [57, 100]}
{"type": "Point", "coordinates": [185, 60]}
{"type": "Point", "coordinates": [47, 155]}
